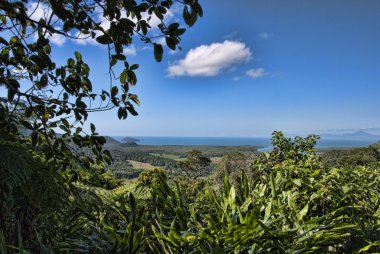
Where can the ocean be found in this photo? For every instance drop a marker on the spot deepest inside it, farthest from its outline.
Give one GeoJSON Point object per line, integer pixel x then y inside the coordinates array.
{"type": "Point", "coordinates": [263, 142]}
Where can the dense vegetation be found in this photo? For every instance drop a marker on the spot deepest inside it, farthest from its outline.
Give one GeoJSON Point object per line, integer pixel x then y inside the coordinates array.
{"type": "Point", "coordinates": [171, 158]}
{"type": "Point", "coordinates": [122, 168]}
{"type": "Point", "coordinates": [178, 151]}
{"type": "Point", "coordinates": [59, 196]}
{"type": "Point", "coordinates": [363, 156]}
{"type": "Point", "coordinates": [287, 200]}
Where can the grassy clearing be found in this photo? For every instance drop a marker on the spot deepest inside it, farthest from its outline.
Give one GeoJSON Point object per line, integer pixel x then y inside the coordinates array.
{"type": "Point", "coordinates": [141, 165]}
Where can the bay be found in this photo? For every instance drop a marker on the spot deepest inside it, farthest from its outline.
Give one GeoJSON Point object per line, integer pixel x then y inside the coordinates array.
{"type": "Point", "coordinates": [263, 142]}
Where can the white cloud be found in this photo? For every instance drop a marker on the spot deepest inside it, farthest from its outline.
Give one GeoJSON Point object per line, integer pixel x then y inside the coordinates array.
{"type": "Point", "coordinates": [162, 41]}
{"type": "Point", "coordinates": [105, 24]}
{"type": "Point", "coordinates": [57, 39]}
{"type": "Point", "coordinates": [36, 11]}
{"type": "Point", "coordinates": [84, 39]}
{"type": "Point", "coordinates": [154, 21]}
{"type": "Point", "coordinates": [231, 35]}
{"type": "Point", "coordinates": [256, 73]}
{"type": "Point", "coordinates": [131, 50]}
{"type": "Point", "coordinates": [264, 36]}
{"type": "Point", "coordinates": [210, 60]}
{"type": "Point", "coordinates": [174, 52]}
{"type": "Point", "coordinates": [236, 79]}
{"type": "Point", "coordinates": [146, 47]}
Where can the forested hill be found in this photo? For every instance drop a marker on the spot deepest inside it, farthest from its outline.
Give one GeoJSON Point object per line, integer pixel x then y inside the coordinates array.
{"type": "Point", "coordinates": [111, 142]}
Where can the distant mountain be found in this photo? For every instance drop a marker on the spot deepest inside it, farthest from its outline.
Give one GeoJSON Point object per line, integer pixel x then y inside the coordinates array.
{"type": "Point", "coordinates": [129, 140]}
{"type": "Point", "coordinates": [111, 141]}
{"type": "Point", "coordinates": [129, 144]}
{"type": "Point", "coordinates": [358, 135]}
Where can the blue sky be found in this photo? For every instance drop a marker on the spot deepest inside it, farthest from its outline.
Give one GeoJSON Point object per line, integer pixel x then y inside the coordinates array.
{"type": "Point", "coordinates": [250, 67]}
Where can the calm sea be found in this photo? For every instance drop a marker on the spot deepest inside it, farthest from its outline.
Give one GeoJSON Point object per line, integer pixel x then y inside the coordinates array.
{"type": "Point", "coordinates": [265, 143]}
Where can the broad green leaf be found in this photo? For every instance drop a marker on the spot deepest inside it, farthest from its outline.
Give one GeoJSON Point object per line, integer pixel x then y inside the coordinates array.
{"type": "Point", "coordinates": [303, 212]}
{"type": "Point", "coordinates": [45, 117]}
{"type": "Point", "coordinates": [123, 76]}
{"type": "Point", "coordinates": [104, 39]}
{"type": "Point", "coordinates": [366, 248]}
{"type": "Point", "coordinates": [297, 182]}
{"type": "Point", "coordinates": [114, 91]}
{"type": "Point", "coordinates": [346, 189]}
{"type": "Point", "coordinates": [134, 98]}
{"type": "Point", "coordinates": [92, 127]}
{"type": "Point", "coordinates": [158, 52]}
{"type": "Point", "coordinates": [134, 67]}
{"type": "Point", "coordinates": [78, 56]}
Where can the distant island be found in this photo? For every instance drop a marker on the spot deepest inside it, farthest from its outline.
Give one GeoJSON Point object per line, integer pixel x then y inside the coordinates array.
{"type": "Point", "coordinates": [358, 135]}
{"type": "Point", "coordinates": [126, 142]}
{"type": "Point", "coordinates": [129, 140]}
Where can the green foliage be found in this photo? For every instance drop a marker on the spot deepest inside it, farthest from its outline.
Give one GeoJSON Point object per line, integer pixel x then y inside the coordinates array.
{"type": "Point", "coordinates": [365, 156]}
{"type": "Point", "coordinates": [51, 170]}
{"type": "Point", "coordinates": [195, 165]}
{"type": "Point", "coordinates": [286, 204]}
{"type": "Point", "coordinates": [149, 177]}
{"type": "Point", "coordinates": [298, 151]}
{"type": "Point", "coordinates": [154, 160]}
{"type": "Point", "coordinates": [231, 165]}
{"type": "Point", "coordinates": [175, 152]}
{"type": "Point", "coordinates": [122, 168]}
{"type": "Point", "coordinates": [57, 198]}
{"type": "Point", "coordinates": [41, 109]}
{"type": "Point", "coordinates": [289, 206]}
{"type": "Point", "coordinates": [126, 173]}
{"type": "Point", "coordinates": [292, 205]}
